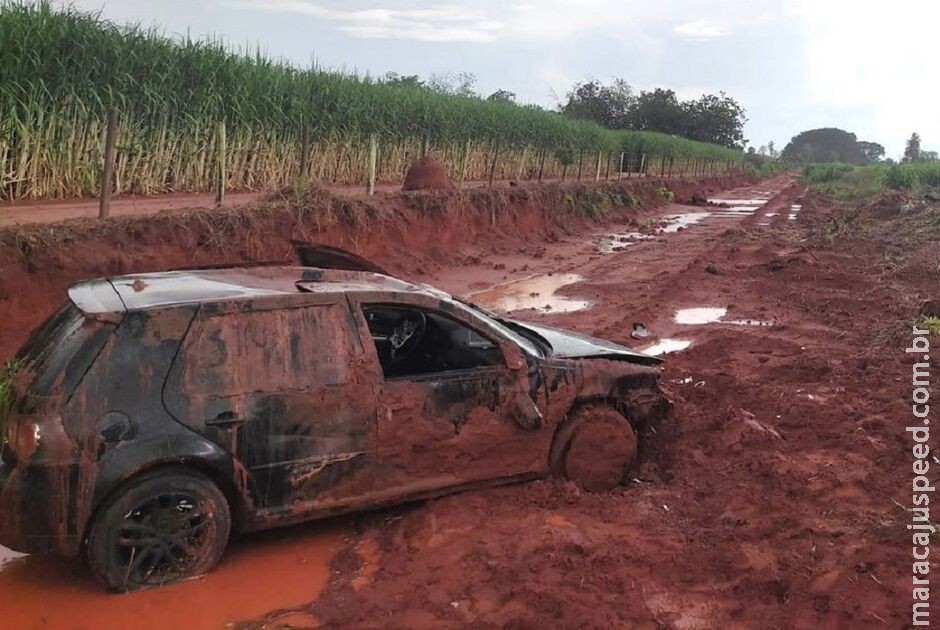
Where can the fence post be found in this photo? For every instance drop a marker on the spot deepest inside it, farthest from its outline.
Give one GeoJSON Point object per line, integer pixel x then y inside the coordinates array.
{"type": "Point", "coordinates": [220, 191]}
{"type": "Point", "coordinates": [107, 172]}
{"type": "Point", "coordinates": [620, 170]}
{"type": "Point", "coordinates": [465, 162]}
{"type": "Point", "coordinates": [425, 143]}
{"type": "Point", "coordinates": [304, 151]}
{"type": "Point", "coordinates": [493, 165]}
{"type": "Point", "coordinates": [643, 166]}
{"type": "Point", "coordinates": [580, 163]}
{"type": "Point", "coordinates": [373, 160]}
{"type": "Point", "coordinates": [542, 165]}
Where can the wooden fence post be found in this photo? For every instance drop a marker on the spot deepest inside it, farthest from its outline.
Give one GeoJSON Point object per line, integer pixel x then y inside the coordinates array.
{"type": "Point", "coordinates": [643, 166]}
{"type": "Point", "coordinates": [620, 171]}
{"type": "Point", "coordinates": [580, 163]}
{"type": "Point", "coordinates": [107, 171]}
{"type": "Point", "coordinates": [425, 143]}
{"type": "Point", "coordinates": [493, 165]}
{"type": "Point", "coordinates": [465, 162]}
{"type": "Point", "coordinates": [542, 165]}
{"type": "Point", "coordinates": [220, 191]}
{"type": "Point", "coordinates": [373, 162]}
{"type": "Point", "coordinates": [304, 151]}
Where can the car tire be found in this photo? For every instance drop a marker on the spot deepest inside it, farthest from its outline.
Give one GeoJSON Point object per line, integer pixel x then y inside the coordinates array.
{"type": "Point", "coordinates": [165, 526]}
{"type": "Point", "coordinates": [595, 449]}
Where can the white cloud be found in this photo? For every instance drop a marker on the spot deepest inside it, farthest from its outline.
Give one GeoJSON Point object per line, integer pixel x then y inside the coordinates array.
{"type": "Point", "coordinates": [702, 29]}
{"type": "Point", "coordinates": [445, 23]}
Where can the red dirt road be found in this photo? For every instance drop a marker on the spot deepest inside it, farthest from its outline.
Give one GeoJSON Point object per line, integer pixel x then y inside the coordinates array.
{"type": "Point", "coordinates": [766, 501]}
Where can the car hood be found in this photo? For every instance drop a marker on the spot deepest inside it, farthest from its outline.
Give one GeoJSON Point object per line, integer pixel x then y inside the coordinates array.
{"type": "Point", "coordinates": [571, 345]}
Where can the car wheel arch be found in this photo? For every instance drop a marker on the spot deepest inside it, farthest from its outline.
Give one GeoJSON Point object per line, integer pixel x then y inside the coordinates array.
{"type": "Point", "coordinates": [565, 429]}
{"type": "Point", "coordinates": [223, 481]}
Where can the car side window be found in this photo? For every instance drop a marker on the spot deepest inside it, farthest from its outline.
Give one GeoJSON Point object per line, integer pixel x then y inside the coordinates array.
{"type": "Point", "coordinates": [265, 351]}
{"type": "Point", "coordinates": [413, 342]}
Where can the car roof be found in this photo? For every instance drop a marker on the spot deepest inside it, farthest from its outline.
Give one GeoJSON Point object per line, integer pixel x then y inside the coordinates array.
{"type": "Point", "coordinates": [193, 286]}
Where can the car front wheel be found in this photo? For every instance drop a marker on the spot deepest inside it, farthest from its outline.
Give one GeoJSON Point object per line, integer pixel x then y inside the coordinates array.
{"type": "Point", "coordinates": [166, 526]}
{"type": "Point", "coordinates": [596, 448]}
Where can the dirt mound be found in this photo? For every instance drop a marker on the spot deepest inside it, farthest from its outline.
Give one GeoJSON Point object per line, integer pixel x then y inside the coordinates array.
{"type": "Point", "coordinates": [427, 174]}
{"type": "Point", "coordinates": [886, 205]}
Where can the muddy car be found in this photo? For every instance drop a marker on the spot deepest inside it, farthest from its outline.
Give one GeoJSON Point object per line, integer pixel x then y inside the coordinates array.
{"type": "Point", "coordinates": [156, 414]}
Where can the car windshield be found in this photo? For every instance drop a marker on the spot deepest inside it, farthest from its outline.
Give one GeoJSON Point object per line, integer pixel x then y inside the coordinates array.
{"type": "Point", "coordinates": [522, 336]}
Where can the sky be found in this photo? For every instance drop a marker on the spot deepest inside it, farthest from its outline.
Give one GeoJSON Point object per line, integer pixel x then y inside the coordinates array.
{"type": "Point", "coordinates": [863, 65]}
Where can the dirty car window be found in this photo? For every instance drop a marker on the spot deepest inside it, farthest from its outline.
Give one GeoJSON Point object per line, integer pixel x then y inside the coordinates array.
{"type": "Point", "coordinates": [415, 342]}
{"type": "Point", "coordinates": [277, 350]}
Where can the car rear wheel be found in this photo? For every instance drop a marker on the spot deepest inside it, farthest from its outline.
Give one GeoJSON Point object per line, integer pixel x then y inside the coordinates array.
{"type": "Point", "coordinates": [596, 448]}
{"type": "Point", "coordinates": [165, 526]}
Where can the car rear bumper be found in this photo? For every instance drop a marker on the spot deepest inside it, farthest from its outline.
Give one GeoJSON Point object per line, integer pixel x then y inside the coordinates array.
{"type": "Point", "coordinates": [40, 509]}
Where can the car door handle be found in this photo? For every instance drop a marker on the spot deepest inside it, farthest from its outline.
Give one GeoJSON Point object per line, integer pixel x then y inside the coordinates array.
{"type": "Point", "coordinates": [224, 420]}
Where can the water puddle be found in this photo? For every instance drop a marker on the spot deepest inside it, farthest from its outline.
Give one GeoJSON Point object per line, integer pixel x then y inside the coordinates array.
{"type": "Point", "coordinates": [714, 315]}
{"type": "Point", "coordinates": [533, 293]}
{"type": "Point", "coordinates": [8, 555]}
{"type": "Point", "coordinates": [700, 315]}
{"type": "Point", "coordinates": [665, 346]}
{"type": "Point", "coordinates": [610, 243]}
{"type": "Point", "coordinates": [751, 203]}
{"type": "Point", "coordinates": [277, 570]}
{"type": "Point", "coordinates": [676, 222]}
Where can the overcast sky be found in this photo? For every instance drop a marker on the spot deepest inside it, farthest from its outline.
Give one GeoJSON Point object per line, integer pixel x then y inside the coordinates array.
{"type": "Point", "coordinates": [865, 66]}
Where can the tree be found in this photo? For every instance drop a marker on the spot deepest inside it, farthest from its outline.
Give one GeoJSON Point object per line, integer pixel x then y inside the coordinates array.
{"type": "Point", "coordinates": [456, 84]}
{"type": "Point", "coordinates": [608, 105]}
{"type": "Point", "coordinates": [928, 156]}
{"type": "Point", "coordinates": [660, 111]}
{"type": "Point", "coordinates": [872, 151]}
{"type": "Point", "coordinates": [716, 119]}
{"type": "Point", "coordinates": [393, 78]}
{"type": "Point", "coordinates": [502, 96]}
{"type": "Point", "coordinates": [824, 145]}
{"type": "Point", "coordinates": [772, 150]}
{"type": "Point", "coordinates": [912, 150]}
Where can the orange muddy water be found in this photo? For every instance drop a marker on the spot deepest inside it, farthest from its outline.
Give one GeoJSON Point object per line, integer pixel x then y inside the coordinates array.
{"type": "Point", "coordinates": [282, 569]}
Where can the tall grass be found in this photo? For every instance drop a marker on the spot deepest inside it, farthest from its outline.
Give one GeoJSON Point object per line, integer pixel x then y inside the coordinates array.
{"type": "Point", "coordinates": [849, 182]}
{"type": "Point", "coordinates": [64, 69]}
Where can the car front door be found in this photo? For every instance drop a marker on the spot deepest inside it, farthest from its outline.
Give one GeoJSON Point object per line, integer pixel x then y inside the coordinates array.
{"type": "Point", "coordinates": [281, 387]}
{"type": "Point", "coordinates": [453, 406]}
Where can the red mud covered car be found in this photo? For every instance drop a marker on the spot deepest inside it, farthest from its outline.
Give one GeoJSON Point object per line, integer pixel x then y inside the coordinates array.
{"type": "Point", "coordinates": [155, 414]}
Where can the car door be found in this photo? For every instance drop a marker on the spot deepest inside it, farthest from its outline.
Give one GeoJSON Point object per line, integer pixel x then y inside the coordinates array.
{"type": "Point", "coordinates": [446, 424]}
{"type": "Point", "coordinates": [280, 386]}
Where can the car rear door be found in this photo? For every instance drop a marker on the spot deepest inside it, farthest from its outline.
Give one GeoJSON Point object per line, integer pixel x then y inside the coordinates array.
{"type": "Point", "coordinates": [279, 385]}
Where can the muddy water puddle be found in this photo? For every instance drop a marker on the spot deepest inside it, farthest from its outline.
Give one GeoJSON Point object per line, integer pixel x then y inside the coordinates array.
{"type": "Point", "coordinates": [277, 570]}
{"type": "Point", "coordinates": [666, 346]}
{"type": "Point", "coordinates": [537, 293]}
{"type": "Point", "coordinates": [702, 315]}
{"type": "Point", "coordinates": [610, 243]}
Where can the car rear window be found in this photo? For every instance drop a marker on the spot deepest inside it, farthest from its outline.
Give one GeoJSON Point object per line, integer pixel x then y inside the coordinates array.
{"type": "Point", "coordinates": [58, 354]}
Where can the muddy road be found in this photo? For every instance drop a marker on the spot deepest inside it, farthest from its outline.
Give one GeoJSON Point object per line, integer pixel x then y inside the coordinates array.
{"type": "Point", "coordinates": [766, 501]}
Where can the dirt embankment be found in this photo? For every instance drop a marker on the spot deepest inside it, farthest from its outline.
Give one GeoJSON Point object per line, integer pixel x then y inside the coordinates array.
{"type": "Point", "coordinates": [405, 232]}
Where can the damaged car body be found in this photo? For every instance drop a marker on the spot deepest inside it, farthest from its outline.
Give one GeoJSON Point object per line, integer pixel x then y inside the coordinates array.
{"type": "Point", "coordinates": [155, 414]}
